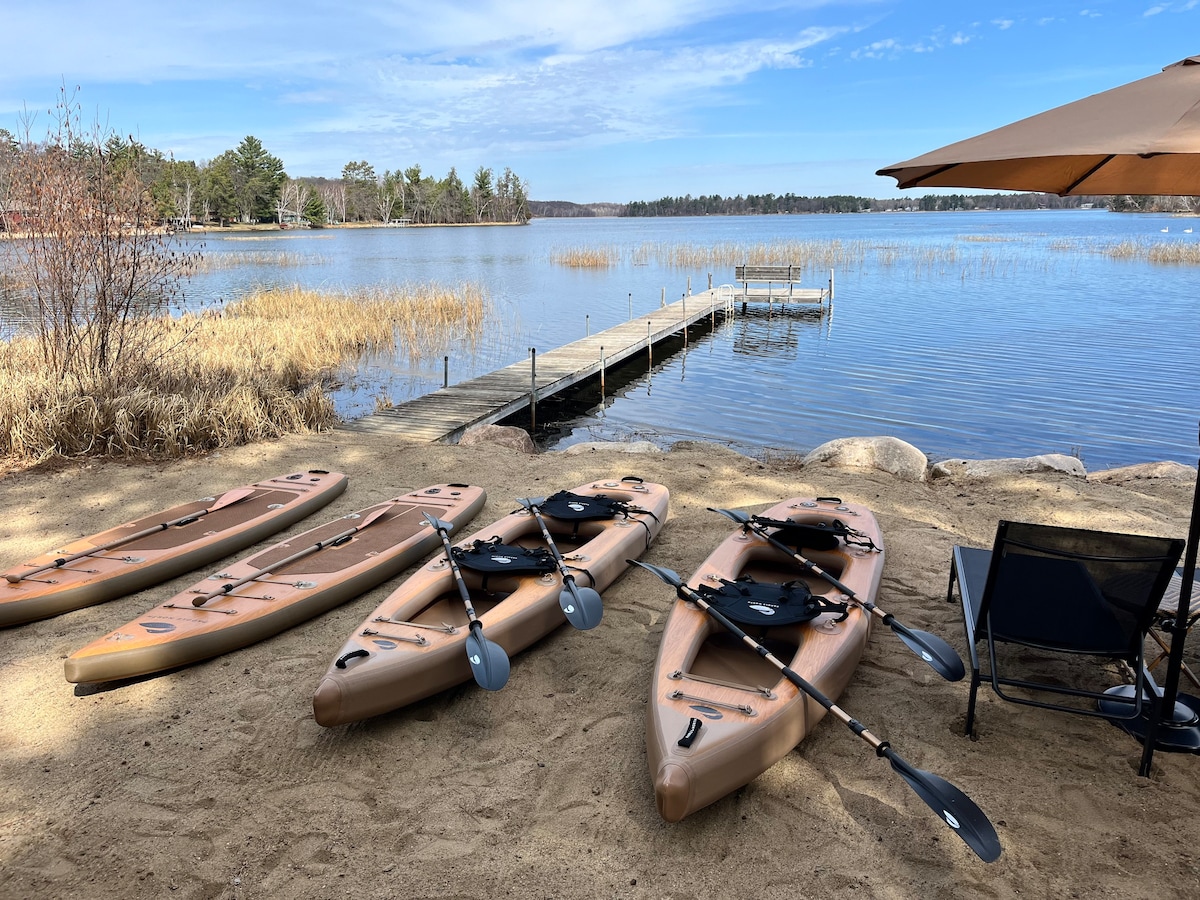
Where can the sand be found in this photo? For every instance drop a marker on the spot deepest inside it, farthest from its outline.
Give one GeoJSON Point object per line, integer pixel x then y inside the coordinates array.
{"type": "Point", "coordinates": [214, 780]}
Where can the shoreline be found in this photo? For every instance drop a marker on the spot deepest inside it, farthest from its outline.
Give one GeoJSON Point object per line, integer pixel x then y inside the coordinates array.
{"type": "Point", "coordinates": [215, 781]}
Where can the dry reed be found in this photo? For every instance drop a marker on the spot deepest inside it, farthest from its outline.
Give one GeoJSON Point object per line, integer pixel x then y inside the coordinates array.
{"type": "Point", "coordinates": [602, 257]}
{"type": "Point", "coordinates": [216, 379]}
{"type": "Point", "coordinates": [243, 258]}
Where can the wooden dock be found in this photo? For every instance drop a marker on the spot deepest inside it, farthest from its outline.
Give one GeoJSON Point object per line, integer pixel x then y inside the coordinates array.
{"type": "Point", "coordinates": [445, 414]}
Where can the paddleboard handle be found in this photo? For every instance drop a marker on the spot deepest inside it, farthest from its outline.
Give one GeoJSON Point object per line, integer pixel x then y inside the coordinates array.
{"type": "Point", "coordinates": [354, 654]}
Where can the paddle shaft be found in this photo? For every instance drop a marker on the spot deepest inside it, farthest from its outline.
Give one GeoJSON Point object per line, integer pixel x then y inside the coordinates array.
{"type": "Point", "coordinates": [567, 577]}
{"type": "Point", "coordinates": [242, 493]}
{"type": "Point", "coordinates": [459, 581]}
{"type": "Point", "coordinates": [334, 541]}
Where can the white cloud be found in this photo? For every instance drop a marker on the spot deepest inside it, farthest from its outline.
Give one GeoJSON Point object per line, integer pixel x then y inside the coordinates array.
{"type": "Point", "coordinates": [1003, 24]}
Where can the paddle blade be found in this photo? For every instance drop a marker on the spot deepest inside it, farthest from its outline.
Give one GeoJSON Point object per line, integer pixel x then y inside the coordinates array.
{"type": "Point", "coordinates": [665, 574]}
{"type": "Point", "coordinates": [583, 607]}
{"type": "Point", "coordinates": [953, 807]}
{"type": "Point", "coordinates": [943, 658]}
{"type": "Point", "coordinates": [740, 517]}
{"type": "Point", "coordinates": [438, 524]}
{"type": "Point", "coordinates": [489, 662]}
{"type": "Point", "coordinates": [230, 497]}
{"type": "Point", "coordinates": [530, 502]}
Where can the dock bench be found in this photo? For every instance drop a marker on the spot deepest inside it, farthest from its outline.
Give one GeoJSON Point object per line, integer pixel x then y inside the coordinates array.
{"type": "Point", "coordinates": [769, 275]}
{"type": "Point", "coordinates": [781, 275]}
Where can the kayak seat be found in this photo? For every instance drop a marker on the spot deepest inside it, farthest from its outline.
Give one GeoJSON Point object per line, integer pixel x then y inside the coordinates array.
{"type": "Point", "coordinates": [1057, 609]}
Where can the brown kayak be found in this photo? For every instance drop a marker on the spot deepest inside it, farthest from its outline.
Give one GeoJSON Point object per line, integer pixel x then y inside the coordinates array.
{"type": "Point", "coordinates": [719, 714]}
{"type": "Point", "coordinates": [414, 644]}
{"type": "Point", "coordinates": [277, 588]}
{"type": "Point", "coordinates": [158, 547]}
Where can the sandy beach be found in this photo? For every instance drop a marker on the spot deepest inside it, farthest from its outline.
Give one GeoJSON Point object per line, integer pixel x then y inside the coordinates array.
{"type": "Point", "coordinates": [214, 781]}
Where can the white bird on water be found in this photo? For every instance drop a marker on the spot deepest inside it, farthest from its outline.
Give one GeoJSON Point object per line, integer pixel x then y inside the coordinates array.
{"type": "Point", "coordinates": [1187, 231]}
{"type": "Point", "coordinates": [1163, 230]}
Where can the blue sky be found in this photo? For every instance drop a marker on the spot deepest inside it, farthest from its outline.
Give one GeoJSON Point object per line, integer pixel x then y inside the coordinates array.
{"type": "Point", "coordinates": [588, 101]}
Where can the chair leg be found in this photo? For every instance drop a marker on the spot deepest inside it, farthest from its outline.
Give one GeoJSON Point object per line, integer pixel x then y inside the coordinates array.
{"type": "Point", "coordinates": [971, 702]}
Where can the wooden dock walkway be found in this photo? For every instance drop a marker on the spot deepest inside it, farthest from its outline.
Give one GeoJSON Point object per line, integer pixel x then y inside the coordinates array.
{"type": "Point", "coordinates": [445, 414]}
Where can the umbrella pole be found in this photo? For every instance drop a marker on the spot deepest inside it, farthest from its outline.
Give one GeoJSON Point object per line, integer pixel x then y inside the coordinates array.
{"type": "Point", "coordinates": [1173, 721]}
{"type": "Point", "coordinates": [1180, 728]}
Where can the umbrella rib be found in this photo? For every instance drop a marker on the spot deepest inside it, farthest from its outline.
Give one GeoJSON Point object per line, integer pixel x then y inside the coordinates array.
{"type": "Point", "coordinates": [934, 174]}
{"type": "Point", "coordinates": [1088, 174]}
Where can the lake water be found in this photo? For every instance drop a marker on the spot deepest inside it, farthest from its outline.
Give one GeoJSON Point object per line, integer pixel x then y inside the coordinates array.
{"type": "Point", "coordinates": [966, 334]}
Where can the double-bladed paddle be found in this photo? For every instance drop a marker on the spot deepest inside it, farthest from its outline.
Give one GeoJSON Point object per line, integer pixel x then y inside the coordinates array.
{"type": "Point", "coordinates": [932, 649]}
{"type": "Point", "coordinates": [335, 541]}
{"type": "Point", "coordinates": [582, 606]}
{"type": "Point", "coordinates": [953, 807]}
{"type": "Point", "coordinates": [489, 662]}
{"type": "Point", "coordinates": [226, 499]}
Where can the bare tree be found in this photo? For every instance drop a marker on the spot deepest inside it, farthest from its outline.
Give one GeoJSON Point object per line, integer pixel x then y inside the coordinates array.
{"type": "Point", "coordinates": [93, 258]}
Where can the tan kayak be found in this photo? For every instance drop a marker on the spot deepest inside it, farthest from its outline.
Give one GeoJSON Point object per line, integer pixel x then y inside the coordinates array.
{"type": "Point", "coordinates": [720, 715]}
{"type": "Point", "coordinates": [158, 547]}
{"type": "Point", "coordinates": [278, 588]}
{"type": "Point", "coordinates": [414, 644]}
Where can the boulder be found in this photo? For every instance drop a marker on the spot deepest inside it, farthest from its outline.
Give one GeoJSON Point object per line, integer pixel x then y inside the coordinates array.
{"type": "Point", "coordinates": [1166, 470]}
{"type": "Point", "coordinates": [888, 454]}
{"type": "Point", "coordinates": [617, 446]}
{"type": "Point", "coordinates": [502, 435]}
{"type": "Point", "coordinates": [987, 468]}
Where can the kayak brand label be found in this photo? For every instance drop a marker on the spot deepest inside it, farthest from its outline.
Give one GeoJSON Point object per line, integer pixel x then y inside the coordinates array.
{"type": "Point", "coordinates": [157, 627]}
{"type": "Point", "coordinates": [708, 712]}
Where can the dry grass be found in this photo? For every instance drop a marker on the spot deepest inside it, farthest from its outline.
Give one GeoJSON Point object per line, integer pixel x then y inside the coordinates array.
{"type": "Point", "coordinates": [602, 257]}
{"type": "Point", "coordinates": [1168, 252]}
{"type": "Point", "coordinates": [250, 372]}
{"type": "Point", "coordinates": [243, 258]}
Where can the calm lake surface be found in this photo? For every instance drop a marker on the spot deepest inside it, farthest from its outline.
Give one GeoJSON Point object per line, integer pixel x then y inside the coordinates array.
{"type": "Point", "coordinates": [973, 334]}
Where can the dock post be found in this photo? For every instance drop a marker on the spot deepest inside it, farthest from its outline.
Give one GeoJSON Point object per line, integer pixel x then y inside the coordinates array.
{"type": "Point", "coordinates": [602, 367]}
{"type": "Point", "coordinates": [533, 388]}
{"type": "Point", "coordinates": [710, 281]}
{"type": "Point", "coordinates": [631, 305]}
{"type": "Point", "coordinates": [445, 371]}
{"type": "Point", "coordinates": [689, 284]}
{"type": "Point", "coordinates": [831, 288]}
{"type": "Point", "coordinates": [662, 301]}
{"type": "Point", "coordinates": [587, 322]}
{"type": "Point", "coordinates": [683, 299]}
{"type": "Point", "coordinates": [649, 346]}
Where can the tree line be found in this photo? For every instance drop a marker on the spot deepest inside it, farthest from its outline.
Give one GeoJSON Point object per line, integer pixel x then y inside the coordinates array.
{"type": "Point", "coordinates": [773, 204]}
{"type": "Point", "coordinates": [248, 184]}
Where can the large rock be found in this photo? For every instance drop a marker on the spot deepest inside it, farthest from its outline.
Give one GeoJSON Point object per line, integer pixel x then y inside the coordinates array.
{"type": "Point", "coordinates": [988, 468]}
{"type": "Point", "coordinates": [501, 435]}
{"type": "Point", "coordinates": [617, 446]}
{"type": "Point", "coordinates": [1166, 470]}
{"type": "Point", "coordinates": [887, 454]}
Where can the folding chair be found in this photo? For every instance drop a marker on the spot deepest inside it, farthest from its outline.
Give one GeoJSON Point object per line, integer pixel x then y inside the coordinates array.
{"type": "Point", "coordinates": [1061, 596]}
{"type": "Point", "coordinates": [1165, 622]}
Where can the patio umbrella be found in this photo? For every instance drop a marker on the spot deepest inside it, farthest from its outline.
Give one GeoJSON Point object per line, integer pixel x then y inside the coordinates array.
{"type": "Point", "coordinates": [1140, 138]}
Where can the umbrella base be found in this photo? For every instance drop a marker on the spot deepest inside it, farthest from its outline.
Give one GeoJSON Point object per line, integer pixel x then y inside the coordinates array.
{"type": "Point", "coordinates": [1178, 733]}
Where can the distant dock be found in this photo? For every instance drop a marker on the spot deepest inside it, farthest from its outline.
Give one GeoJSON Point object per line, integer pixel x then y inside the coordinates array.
{"type": "Point", "coordinates": [447, 413]}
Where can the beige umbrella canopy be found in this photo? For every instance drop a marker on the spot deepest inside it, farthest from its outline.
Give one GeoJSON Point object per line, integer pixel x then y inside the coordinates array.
{"type": "Point", "coordinates": [1140, 138]}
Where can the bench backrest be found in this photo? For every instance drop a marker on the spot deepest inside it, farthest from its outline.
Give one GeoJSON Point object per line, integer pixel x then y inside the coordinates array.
{"type": "Point", "coordinates": [767, 273]}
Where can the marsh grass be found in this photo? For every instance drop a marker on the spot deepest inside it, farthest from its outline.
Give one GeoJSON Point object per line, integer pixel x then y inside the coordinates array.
{"type": "Point", "coordinates": [252, 371]}
{"type": "Point", "coordinates": [1169, 252]}
{"type": "Point", "coordinates": [601, 257]}
{"type": "Point", "coordinates": [237, 259]}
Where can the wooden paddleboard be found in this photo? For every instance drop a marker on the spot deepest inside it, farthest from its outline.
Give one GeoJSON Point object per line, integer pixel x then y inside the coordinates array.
{"type": "Point", "coordinates": [719, 714]}
{"type": "Point", "coordinates": [414, 644]}
{"type": "Point", "coordinates": [178, 632]}
{"type": "Point", "coordinates": [202, 538]}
